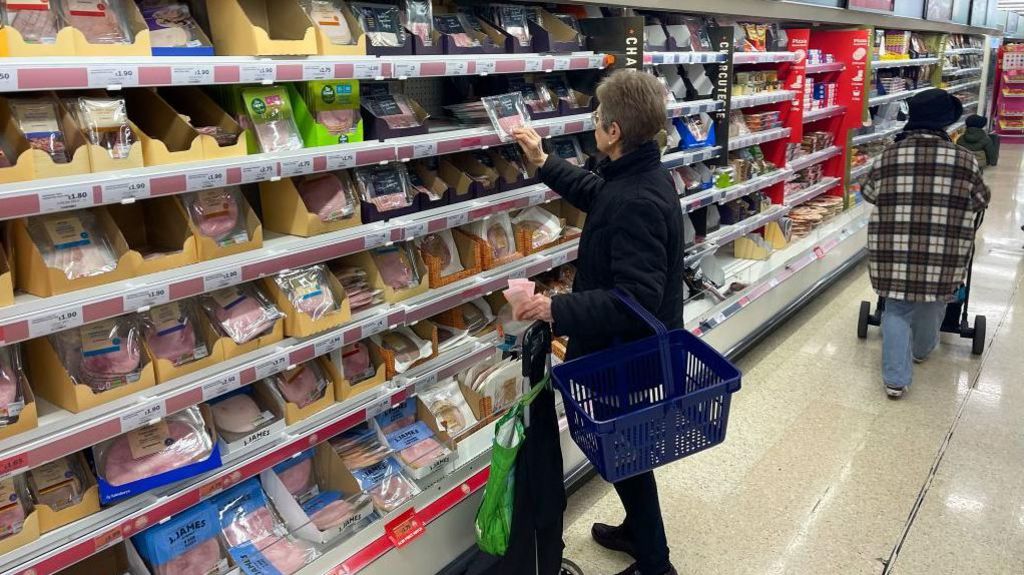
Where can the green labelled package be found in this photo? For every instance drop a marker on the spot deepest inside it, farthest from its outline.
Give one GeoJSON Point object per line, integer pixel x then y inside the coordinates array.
{"type": "Point", "coordinates": [333, 110]}
{"type": "Point", "coordinates": [270, 111]}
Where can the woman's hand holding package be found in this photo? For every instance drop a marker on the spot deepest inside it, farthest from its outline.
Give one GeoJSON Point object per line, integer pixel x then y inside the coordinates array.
{"type": "Point", "coordinates": [531, 143]}
{"type": "Point", "coordinates": [537, 308]}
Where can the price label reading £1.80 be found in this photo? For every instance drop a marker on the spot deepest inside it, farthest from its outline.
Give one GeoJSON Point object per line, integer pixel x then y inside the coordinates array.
{"type": "Point", "coordinates": [65, 199]}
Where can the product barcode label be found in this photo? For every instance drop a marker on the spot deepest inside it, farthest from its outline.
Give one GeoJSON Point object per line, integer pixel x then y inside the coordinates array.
{"type": "Point", "coordinates": [106, 76]}
{"type": "Point", "coordinates": [378, 407]}
{"type": "Point", "coordinates": [259, 172]}
{"type": "Point", "coordinates": [456, 220]}
{"type": "Point", "coordinates": [327, 346]}
{"type": "Point", "coordinates": [54, 322]}
{"type": "Point", "coordinates": [456, 68]}
{"type": "Point", "coordinates": [486, 67]}
{"type": "Point", "coordinates": [222, 279]}
{"type": "Point", "coordinates": [375, 239]}
{"type": "Point", "coordinates": [407, 69]}
{"type": "Point", "coordinates": [146, 297]}
{"type": "Point", "coordinates": [426, 381]}
{"type": "Point", "coordinates": [341, 160]}
{"type": "Point", "coordinates": [271, 366]}
{"type": "Point", "coordinates": [556, 130]}
{"type": "Point", "coordinates": [191, 75]}
{"type": "Point", "coordinates": [416, 230]}
{"type": "Point", "coordinates": [65, 199]}
{"type": "Point", "coordinates": [206, 180]}
{"type": "Point", "coordinates": [256, 73]}
{"type": "Point", "coordinates": [562, 63]}
{"type": "Point", "coordinates": [533, 64]}
{"type": "Point", "coordinates": [140, 416]}
{"type": "Point", "coordinates": [220, 386]}
{"type": "Point", "coordinates": [559, 259]}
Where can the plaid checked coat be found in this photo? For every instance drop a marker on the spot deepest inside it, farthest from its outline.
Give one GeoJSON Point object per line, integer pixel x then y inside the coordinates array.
{"type": "Point", "coordinates": [926, 191]}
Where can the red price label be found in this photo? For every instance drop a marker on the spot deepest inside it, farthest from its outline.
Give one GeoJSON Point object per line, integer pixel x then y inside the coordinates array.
{"type": "Point", "coordinates": [405, 528]}
{"type": "Point", "coordinates": [820, 253]}
{"type": "Point", "coordinates": [13, 464]}
{"type": "Point", "coordinates": [108, 539]}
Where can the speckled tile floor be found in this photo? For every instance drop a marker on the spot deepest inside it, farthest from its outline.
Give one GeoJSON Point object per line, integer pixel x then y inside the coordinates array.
{"type": "Point", "coordinates": [821, 474]}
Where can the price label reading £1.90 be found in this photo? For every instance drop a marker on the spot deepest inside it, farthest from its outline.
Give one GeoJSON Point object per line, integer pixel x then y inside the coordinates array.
{"type": "Point", "coordinates": [106, 76]}
{"type": "Point", "coordinates": [66, 199]}
{"type": "Point", "coordinates": [191, 74]}
{"type": "Point", "coordinates": [146, 297]}
{"type": "Point", "coordinates": [125, 191]}
{"type": "Point", "coordinates": [55, 322]}
{"type": "Point", "coordinates": [256, 73]}
{"type": "Point", "coordinates": [206, 180]}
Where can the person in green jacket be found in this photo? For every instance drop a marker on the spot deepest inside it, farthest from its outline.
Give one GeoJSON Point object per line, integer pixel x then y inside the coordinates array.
{"type": "Point", "coordinates": [977, 140]}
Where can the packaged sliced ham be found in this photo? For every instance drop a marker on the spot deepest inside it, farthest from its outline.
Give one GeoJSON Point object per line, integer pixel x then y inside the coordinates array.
{"type": "Point", "coordinates": [360, 447]}
{"type": "Point", "coordinates": [240, 312]}
{"type": "Point", "coordinates": [357, 288]}
{"type": "Point", "coordinates": [449, 337]}
{"type": "Point", "coordinates": [186, 543]}
{"type": "Point", "coordinates": [476, 315]}
{"type": "Point", "coordinates": [397, 265]}
{"type": "Point", "coordinates": [418, 17]}
{"type": "Point", "coordinates": [501, 384]}
{"type": "Point", "coordinates": [239, 415]}
{"type": "Point", "coordinates": [12, 385]}
{"type": "Point", "coordinates": [449, 406]}
{"type": "Point", "coordinates": [457, 29]}
{"type": "Point", "coordinates": [39, 119]}
{"type": "Point", "coordinates": [173, 333]}
{"type": "Point", "coordinates": [105, 123]}
{"type": "Point", "coordinates": [329, 17]}
{"type": "Point", "coordinates": [441, 246]}
{"type": "Point", "coordinates": [568, 148]}
{"type": "Point", "coordinates": [15, 506]}
{"type": "Point", "coordinates": [332, 510]}
{"type": "Point", "coordinates": [173, 442]}
{"type": "Point", "coordinates": [57, 484]}
{"type": "Point", "coordinates": [100, 21]}
{"type": "Point", "coordinates": [387, 485]}
{"type": "Point", "coordinates": [218, 214]}
{"type": "Point", "coordinates": [543, 226]}
{"type": "Point", "coordinates": [298, 476]}
{"type": "Point", "coordinates": [405, 344]}
{"type": "Point", "coordinates": [102, 355]}
{"type": "Point", "coordinates": [73, 242]}
{"type": "Point", "coordinates": [398, 417]}
{"type": "Point", "coordinates": [309, 291]}
{"type": "Point", "coordinates": [395, 109]}
{"type": "Point", "coordinates": [386, 187]}
{"type": "Point", "coordinates": [507, 112]}
{"type": "Point", "coordinates": [496, 230]}
{"type": "Point", "coordinates": [417, 448]}
{"type": "Point", "coordinates": [356, 363]}
{"type": "Point", "coordinates": [335, 104]}
{"type": "Point", "coordinates": [301, 385]}
{"type": "Point", "coordinates": [382, 24]}
{"type": "Point", "coordinates": [37, 21]}
{"type": "Point", "coordinates": [330, 196]}
{"type": "Point", "coordinates": [270, 112]}
{"type": "Point", "coordinates": [171, 25]}
{"type": "Point", "coordinates": [256, 538]}
{"type": "Point", "coordinates": [513, 20]}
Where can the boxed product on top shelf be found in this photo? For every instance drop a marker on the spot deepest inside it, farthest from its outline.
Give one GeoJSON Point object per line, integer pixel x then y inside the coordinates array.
{"type": "Point", "coordinates": [261, 28]}
{"type": "Point", "coordinates": [74, 28]}
{"type": "Point", "coordinates": [818, 56]}
{"type": "Point", "coordinates": [338, 32]}
{"type": "Point", "coordinates": [756, 36]}
{"type": "Point", "coordinates": [464, 33]}
{"type": "Point", "coordinates": [531, 28]}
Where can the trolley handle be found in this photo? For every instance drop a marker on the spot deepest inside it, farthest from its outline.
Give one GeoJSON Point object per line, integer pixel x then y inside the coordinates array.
{"type": "Point", "coordinates": [664, 350]}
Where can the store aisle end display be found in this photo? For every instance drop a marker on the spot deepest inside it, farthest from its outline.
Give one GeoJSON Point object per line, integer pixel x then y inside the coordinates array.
{"type": "Point", "coordinates": [253, 296]}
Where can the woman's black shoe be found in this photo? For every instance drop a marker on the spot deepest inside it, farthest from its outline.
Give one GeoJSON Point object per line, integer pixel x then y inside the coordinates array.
{"type": "Point", "coordinates": [614, 538]}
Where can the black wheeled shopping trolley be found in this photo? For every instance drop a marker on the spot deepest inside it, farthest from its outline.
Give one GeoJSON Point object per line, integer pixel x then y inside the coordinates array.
{"type": "Point", "coordinates": [956, 320]}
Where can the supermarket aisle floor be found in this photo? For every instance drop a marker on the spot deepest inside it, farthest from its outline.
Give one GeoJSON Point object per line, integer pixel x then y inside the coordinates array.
{"type": "Point", "coordinates": [822, 474]}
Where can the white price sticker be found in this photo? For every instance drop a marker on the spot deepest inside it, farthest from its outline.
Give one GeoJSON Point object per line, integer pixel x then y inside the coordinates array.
{"type": "Point", "coordinates": [146, 297]}
{"type": "Point", "coordinates": [55, 322]}
{"type": "Point", "coordinates": [719, 318]}
{"type": "Point", "coordinates": [220, 386]}
{"type": "Point", "coordinates": [256, 73]}
{"type": "Point", "coordinates": [533, 64]}
{"type": "Point", "coordinates": [373, 327]}
{"type": "Point", "coordinates": [456, 220]}
{"type": "Point", "coordinates": [260, 172]}
{"type": "Point", "coordinates": [486, 67]}
{"type": "Point", "coordinates": [364, 70]}
{"type": "Point", "coordinates": [456, 68]}
{"type": "Point", "coordinates": [537, 198]}
{"type": "Point", "coordinates": [341, 160]}
{"type": "Point", "coordinates": [424, 149]}
{"type": "Point", "coordinates": [416, 230]}
{"type": "Point", "coordinates": [327, 346]}
{"type": "Point", "coordinates": [407, 69]}
{"type": "Point", "coordinates": [206, 180]}
{"type": "Point", "coordinates": [297, 167]}
{"type": "Point", "coordinates": [376, 239]}
{"type": "Point", "coordinates": [271, 366]}
{"type": "Point", "coordinates": [8, 80]}
{"type": "Point", "coordinates": [122, 191]}
{"type": "Point", "coordinates": [222, 279]}
{"type": "Point", "coordinates": [559, 259]}
{"type": "Point", "coordinates": [106, 76]}
{"type": "Point", "coordinates": [140, 416]}
{"type": "Point", "coordinates": [426, 381]}
{"type": "Point", "coordinates": [192, 74]}
{"type": "Point", "coordinates": [556, 130]}
{"type": "Point", "coordinates": [70, 198]}
{"type": "Point", "coordinates": [562, 63]}
{"type": "Point", "coordinates": [317, 71]}
{"type": "Point", "coordinates": [378, 406]}
{"type": "Point", "coordinates": [588, 123]}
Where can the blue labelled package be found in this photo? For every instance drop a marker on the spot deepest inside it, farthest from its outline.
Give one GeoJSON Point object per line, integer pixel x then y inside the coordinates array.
{"type": "Point", "coordinates": [298, 477]}
{"type": "Point", "coordinates": [397, 417]}
{"type": "Point", "coordinates": [257, 539]}
{"type": "Point", "coordinates": [417, 448]}
{"type": "Point", "coordinates": [332, 510]}
{"type": "Point", "coordinates": [187, 543]}
{"type": "Point", "coordinates": [360, 447]}
{"type": "Point", "coordinates": [39, 119]}
{"type": "Point", "coordinates": [172, 29]}
{"type": "Point", "coordinates": [409, 436]}
{"type": "Point", "coordinates": [695, 131]}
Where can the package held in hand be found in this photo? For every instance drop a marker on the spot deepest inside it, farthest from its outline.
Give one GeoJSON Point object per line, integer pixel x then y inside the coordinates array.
{"type": "Point", "coordinates": [507, 112]}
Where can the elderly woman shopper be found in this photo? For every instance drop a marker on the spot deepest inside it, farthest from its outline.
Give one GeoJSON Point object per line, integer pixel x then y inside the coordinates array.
{"type": "Point", "coordinates": [632, 240]}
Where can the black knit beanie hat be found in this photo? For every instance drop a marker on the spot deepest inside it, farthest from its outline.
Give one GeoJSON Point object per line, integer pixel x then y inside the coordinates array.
{"type": "Point", "coordinates": [976, 121]}
{"type": "Point", "coordinates": [933, 109]}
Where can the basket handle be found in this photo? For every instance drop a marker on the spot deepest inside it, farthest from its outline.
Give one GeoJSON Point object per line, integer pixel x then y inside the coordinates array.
{"type": "Point", "coordinates": [664, 351]}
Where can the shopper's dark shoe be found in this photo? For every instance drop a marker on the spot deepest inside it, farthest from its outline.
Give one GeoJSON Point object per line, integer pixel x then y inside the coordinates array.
{"type": "Point", "coordinates": [615, 538]}
{"type": "Point", "coordinates": [569, 568]}
{"type": "Point", "coordinates": [634, 570]}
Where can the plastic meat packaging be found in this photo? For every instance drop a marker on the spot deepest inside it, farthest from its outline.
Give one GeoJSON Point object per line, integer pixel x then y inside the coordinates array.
{"type": "Point", "coordinates": [270, 112]}
{"type": "Point", "coordinates": [102, 355]}
{"type": "Point", "coordinates": [381, 23]}
{"type": "Point", "coordinates": [73, 242]}
{"type": "Point", "coordinates": [396, 418]}
{"type": "Point", "coordinates": [357, 288]}
{"type": "Point", "coordinates": [219, 214]}
{"type": "Point", "coordinates": [257, 539]}
{"type": "Point", "coordinates": [449, 406]}
{"type": "Point", "coordinates": [330, 510]}
{"type": "Point", "coordinates": [39, 120]}
{"type": "Point", "coordinates": [360, 447]}
{"type": "Point", "coordinates": [329, 196]}
{"type": "Point", "coordinates": [476, 315]}
{"type": "Point", "coordinates": [12, 385]}
{"type": "Point", "coordinates": [105, 123]}
{"type": "Point", "coordinates": [449, 337]}
{"type": "Point", "coordinates": [513, 20]}
{"type": "Point", "coordinates": [406, 345]}
{"type": "Point", "coordinates": [329, 17]}
{"type": "Point", "coordinates": [568, 148]}
{"type": "Point", "coordinates": [237, 415]}
{"type": "Point", "coordinates": [185, 544]}
{"type": "Point", "coordinates": [303, 384]}
{"type": "Point", "coordinates": [419, 21]}
{"type": "Point", "coordinates": [14, 506]}
{"type": "Point", "coordinates": [171, 25]}
{"type": "Point", "coordinates": [297, 476]}
{"type": "Point", "coordinates": [417, 447]}
{"type": "Point", "coordinates": [392, 491]}
{"type": "Point", "coordinates": [241, 312]}
{"type": "Point", "coordinates": [100, 21]}
{"type": "Point", "coordinates": [395, 109]}
{"type": "Point", "coordinates": [37, 22]}
{"type": "Point", "coordinates": [173, 332]}
{"type": "Point", "coordinates": [175, 441]}
{"type": "Point", "coordinates": [397, 265]}
{"type": "Point", "coordinates": [309, 291]}
{"type": "Point", "coordinates": [496, 230]}
{"type": "Point", "coordinates": [386, 187]}
{"type": "Point", "coordinates": [356, 363]}
{"type": "Point", "coordinates": [507, 112]}
{"type": "Point", "coordinates": [543, 226]}
{"type": "Point", "coordinates": [441, 246]}
{"type": "Point", "coordinates": [457, 29]}
{"type": "Point", "coordinates": [57, 484]}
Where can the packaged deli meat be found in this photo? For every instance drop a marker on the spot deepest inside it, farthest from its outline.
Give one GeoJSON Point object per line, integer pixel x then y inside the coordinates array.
{"type": "Point", "coordinates": [330, 196]}
{"type": "Point", "coordinates": [507, 112]}
{"type": "Point", "coordinates": [173, 442]}
{"type": "Point", "coordinates": [382, 24]}
{"type": "Point", "coordinates": [329, 17]}
{"type": "Point", "coordinates": [186, 543]}
{"type": "Point", "coordinates": [407, 347]}
{"type": "Point", "coordinates": [455, 27]}
{"type": "Point", "coordinates": [100, 21]}
{"type": "Point", "coordinates": [239, 414]}
{"type": "Point", "coordinates": [105, 123]}
{"type": "Point", "coordinates": [543, 227]}
{"type": "Point", "coordinates": [257, 539]}
{"type": "Point", "coordinates": [309, 291]}
{"type": "Point", "coordinates": [449, 337]}
{"type": "Point", "coordinates": [418, 18]}
{"type": "Point", "coordinates": [392, 490]}
{"type": "Point", "coordinates": [12, 385]}
{"type": "Point", "coordinates": [395, 109]}
{"type": "Point", "coordinates": [218, 214]}
{"type": "Point", "coordinates": [270, 113]}
{"type": "Point", "coordinates": [302, 384]}
{"type": "Point", "coordinates": [401, 416]}
{"type": "Point", "coordinates": [102, 355]}
{"type": "Point", "coordinates": [568, 148]}
{"type": "Point", "coordinates": [15, 505]}
{"type": "Point", "coordinates": [37, 21]}
{"type": "Point", "coordinates": [417, 448]}
{"type": "Point", "coordinates": [496, 230]}
{"type": "Point", "coordinates": [386, 187]}
{"type": "Point", "coordinates": [240, 312]}
{"type": "Point", "coordinates": [360, 447]}
{"type": "Point", "coordinates": [297, 476]}
{"type": "Point", "coordinates": [335, 104]}
{"type": "Point", "coordinates": [73, 242]}
{"type": "Point", "coordinates": [330, 510]}
{"type": "Point", "coordinates": [39, 119]}
{"type": "Point", "coordinates": [397, 265]}
{"type": "Point", "coordinates": [171, 25]}
{"type": "Point", "coordinates": [441, 246]}
{"type": "Point", "coordinates": [173, 333]}
{"type": "Point", "coordinates": [57, 484]}
{"type": "Point", "coordinates": [355, 280]}
{"type": "Point", "coordinates": [356, 363]}
{"type": "Point", "coordinates": [449, 406]}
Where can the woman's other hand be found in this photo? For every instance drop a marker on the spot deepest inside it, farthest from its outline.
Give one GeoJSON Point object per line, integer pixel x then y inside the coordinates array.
{"type": "Point", "coordinates": [530, 141]}
{"type": "Point", "coordinates": [537, 308]}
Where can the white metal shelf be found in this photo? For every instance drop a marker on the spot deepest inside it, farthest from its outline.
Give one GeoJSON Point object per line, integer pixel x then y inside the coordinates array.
{"type": "Point", "coordinates": [824, 68]}
{"type": "Point", "coordinates": [822, 113]}
{"type": "Point", "coordinates": [860, 171]}
{"type": "Point", "coordinates": [907, 62]}
{"type": "Point", "coordinates": [730, 233]}
{"type": "Point", "coordinates": [815, 158]}
{"type": "Point", "coordinates": [956, 72]}
{"type": "Point", "coordinates": [963, 86]}
{"type": "Point", "coordinates": [875, 136]}
{"type": "Point", "coordinates": [759, 138]}
{"type": "Point", "coordinates": [751, 100]}
{"type": "Point", "coordinates": [959, 51]}
{"type": "Point", "coordinates": [722, 195]}
{"type": "Point", "coordinates": [678, 109]}
{"type": "Point", "coordinates": [659, 58]}
{"type": "Point", "coordinates": [763, 57]}
{"type": "Point", "coordinates": [876, 100]}
{"type": "Point", "coordinates": [811, 192]}
{"type": "Point", "coordinates": [688, 157]}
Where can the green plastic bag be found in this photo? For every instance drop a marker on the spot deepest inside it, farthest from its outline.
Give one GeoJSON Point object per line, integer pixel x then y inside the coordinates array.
{"type": "Point", "coordinates": [494, 518]}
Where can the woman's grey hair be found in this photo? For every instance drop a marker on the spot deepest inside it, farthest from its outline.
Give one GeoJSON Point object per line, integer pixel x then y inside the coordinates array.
{"type": "Point", "coordinates": [636, 102]}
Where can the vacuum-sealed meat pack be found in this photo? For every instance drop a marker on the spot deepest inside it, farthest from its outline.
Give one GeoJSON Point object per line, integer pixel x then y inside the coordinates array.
{"type": "Point", "coordinates": [382, 24]}
{"type": "Point", "coordinates": [386, 187]}
{"type": "Point", "coordinates": [330, 196]}
{"type": "Point", "coordinates": [73, 242]}
{"type": "Point", "coordinates": [238, 415]}
{"type": "Point", "coordinates": [309, 291]}
{"type": "Point", "coordinates": [171, 25]}
{"type": "Point", "coordinates": [302, 385]}
{"type": "Point", "coordinates": [184, 545]}
{"type": "Point", "coordinates": [105, 123]}
{"type": "Point", "coordinates": [395, 109]}
{"type": "Point", "coordinates": [386, 484]}
{"type": "Point", "coordinates": [240, 312]}
{"type": "Point", "coordinates": [543, 227]}
{"type": "Point", "coordinates": [330, 19]}
{"type": "Point", "coordinates": [173, 333]}
{"type": "Point", "coordinates": [270, 112]}
{"type": "Point", "coordinates": [58, 484]}
{"type": "Point", "coordinates": [37, 22]}
{"type": "Point", "coordinates": [457, 29]}
{"type": "Point", "coordinates": [441, 246]}
{"type": "Point", "coordinates": [496, 230]}
{"type": "Point", "coordinates": [103, 355]}
{"type": "Point", "coordinates": [39, 119]}
{"type": "Point", "coordinates": [219, 214]}
{"type": "Point", "coordinates": [356, 363]}
{"type": "Point", "coordinates": [356, 283]}
{"type": "Point", "coordinates": [12, 385]}
{"type": "Point", "coordinates": [15, 505]}
{"type": "Point", "coordinates": [397, 266]}
{"type": "Point", "coordinates": [449, 406]}
{"type": "Point", "coordinates": [100, 21]}
{"type": "Point", "coordinates": [407, 347]}
{"type": "Point", "coordinates": [418, 17]}
{"type": "Point", "coordinates": [507, 112]}
{"type": "Point", "coordinates": [360, 447]}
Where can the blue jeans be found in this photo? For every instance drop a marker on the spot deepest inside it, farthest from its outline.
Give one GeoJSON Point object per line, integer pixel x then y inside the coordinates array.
{"type": "Point", "coordinates": [909, 330]}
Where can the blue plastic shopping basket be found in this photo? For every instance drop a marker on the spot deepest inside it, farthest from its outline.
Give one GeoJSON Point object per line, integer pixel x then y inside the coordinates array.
{"type": "Point", "coordinates": [646, 403]}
